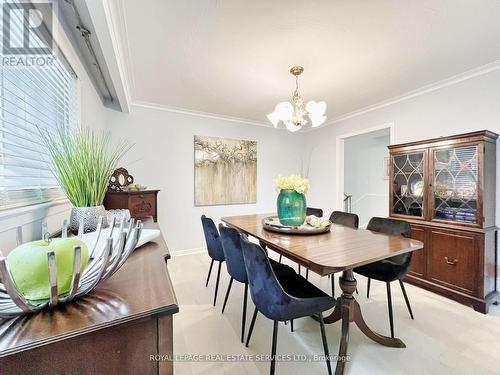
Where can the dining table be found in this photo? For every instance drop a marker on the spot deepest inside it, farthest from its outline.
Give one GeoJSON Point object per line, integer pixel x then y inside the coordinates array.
{"type": "Point", "coordinates": [341, 249]}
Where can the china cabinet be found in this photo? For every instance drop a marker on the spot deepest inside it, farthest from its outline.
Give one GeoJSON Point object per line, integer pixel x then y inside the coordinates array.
{"type": "Point", "coordinates": [445, 188]}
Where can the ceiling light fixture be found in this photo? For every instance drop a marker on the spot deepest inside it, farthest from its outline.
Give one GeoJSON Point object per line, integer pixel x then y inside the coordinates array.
{"type": "Point", "coordinates": [293, 114]}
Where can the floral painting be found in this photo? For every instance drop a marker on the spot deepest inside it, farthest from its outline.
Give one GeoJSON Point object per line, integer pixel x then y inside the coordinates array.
{"type": "Point", "coordinates": [225, 171]}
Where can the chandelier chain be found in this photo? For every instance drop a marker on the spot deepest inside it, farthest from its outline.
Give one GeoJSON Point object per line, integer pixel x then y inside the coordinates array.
{"type": "Point", "coordinates": [296, 92]}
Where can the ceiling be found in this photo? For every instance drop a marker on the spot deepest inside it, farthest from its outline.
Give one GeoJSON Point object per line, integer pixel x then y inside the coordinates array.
{"type": "Point", "coordinates": [232, 57]}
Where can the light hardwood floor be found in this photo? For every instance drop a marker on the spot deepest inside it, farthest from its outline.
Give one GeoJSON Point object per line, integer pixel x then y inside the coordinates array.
{"type": "Point", "coordinates": [444, 338]}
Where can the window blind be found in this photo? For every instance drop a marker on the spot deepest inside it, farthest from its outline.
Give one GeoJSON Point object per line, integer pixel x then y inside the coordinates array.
{"type": "Point", "coordinates": [32, 99]}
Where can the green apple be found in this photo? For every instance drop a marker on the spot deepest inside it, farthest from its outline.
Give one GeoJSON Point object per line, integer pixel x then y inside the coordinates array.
{"type": "Point", "coordinates": [29, 266]}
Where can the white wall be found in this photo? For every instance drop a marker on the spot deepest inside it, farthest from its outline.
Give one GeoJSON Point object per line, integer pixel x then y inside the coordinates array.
{"type": "Point", "coordinates": [466, 106]}
{"type": "Point", "coordinates": [163, 158]}
{"type": "Point", "coordinates": [364, 174]}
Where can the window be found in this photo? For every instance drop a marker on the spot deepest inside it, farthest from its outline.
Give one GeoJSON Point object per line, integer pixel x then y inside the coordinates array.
{"type": "Point", "coordinates": [32, 99]}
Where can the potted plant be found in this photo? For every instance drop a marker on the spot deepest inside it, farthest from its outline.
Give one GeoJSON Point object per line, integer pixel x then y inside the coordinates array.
{"type": "Point", "coordinates": [83, 162]}
{"type": "Point", "coordinates": [292, 206]}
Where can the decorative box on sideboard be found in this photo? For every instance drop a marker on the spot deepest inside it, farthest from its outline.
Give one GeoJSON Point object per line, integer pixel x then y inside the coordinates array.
{"type": "Point", "coordinates": [141, 204]}
{"type": "Point", "coordinates": [445, 188]}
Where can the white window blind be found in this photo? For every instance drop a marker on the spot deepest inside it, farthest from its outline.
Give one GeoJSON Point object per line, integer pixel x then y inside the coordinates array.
{"type": "Point", "coordinates": [32, 99]}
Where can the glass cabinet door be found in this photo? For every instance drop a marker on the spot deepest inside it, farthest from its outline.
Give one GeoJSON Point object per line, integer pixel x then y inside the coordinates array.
{"type": "Point", "coordinates": [455, 184]}
{"type": "Point", "coordinates": [408, 184]}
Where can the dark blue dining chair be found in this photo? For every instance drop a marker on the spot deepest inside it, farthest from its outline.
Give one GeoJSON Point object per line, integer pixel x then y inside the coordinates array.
{"type": "Point", "coordinates": [214, 247]}
{"type": "Point", "coordinates": [288, 299]}
{"type": "Point", "coordinates": [390, 269]}
{"type": "Point", "coordinates": [230, 239]}
{"type": "Point", "coordinates": [345, 218]}
{"type": "Point", "coordinates": [231, 245]}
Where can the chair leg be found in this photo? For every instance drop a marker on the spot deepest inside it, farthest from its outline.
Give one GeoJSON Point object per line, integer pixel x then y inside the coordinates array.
{"type": "Point", "coordinates": [307, 273]}
{"type": "Point", "coordinates": [209, 272]}
{"type": "Point", "coordinates": [244, 317]}
{"type": "Point", "coordinates": [263, 245]}
{"type": "Point", "coordinates": [291, 325]}
{"type": "Point", "coordinates": [227, 294]}
{"type": "Point", "coordinates": [368, 288]}
{"type": "Point", "coordinates": [252, 323]}
{"type": "Point", "coordinates": [333, 286]}
{"type": "Point", "coordinates": [217, 283]}
{"type": "Point", "coordinates": [298, 269]}
{"type": "Point", "coordinates": [406, 298]}
{"type": "Point", "coordinates": [280, 258]}
{"type": "Point", "coordinates": [325, 343]}
{"type": "Point", "coordinates": [389, 304]}
{"type": "Point", "coordinates": [273, 347]}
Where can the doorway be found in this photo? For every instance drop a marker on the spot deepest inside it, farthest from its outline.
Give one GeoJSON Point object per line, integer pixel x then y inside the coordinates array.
{"type": "Point", "coordinates": [362, 174]}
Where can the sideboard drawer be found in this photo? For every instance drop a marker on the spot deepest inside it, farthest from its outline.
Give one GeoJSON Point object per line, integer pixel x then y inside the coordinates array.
{"type": "Point", "coordinates": [142, 205]}
{"type": "Point", "coordinates": [453, 261]}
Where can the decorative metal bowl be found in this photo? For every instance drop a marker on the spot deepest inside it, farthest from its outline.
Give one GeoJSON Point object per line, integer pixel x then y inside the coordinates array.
{"type": "Point", "coordinates": [102, 264]}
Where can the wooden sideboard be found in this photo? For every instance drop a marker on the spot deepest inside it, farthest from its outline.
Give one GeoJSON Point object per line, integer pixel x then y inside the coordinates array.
{"type": "Point", "coordinates": [141, 204]}
{"type": "Point", "coordinates": [445, 188]}
{"type": "Point", "coordinates": [116, 329]}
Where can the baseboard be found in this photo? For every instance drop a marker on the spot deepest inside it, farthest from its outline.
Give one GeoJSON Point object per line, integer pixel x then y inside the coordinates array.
{"type": "Point", "coordinates": [196, 250]}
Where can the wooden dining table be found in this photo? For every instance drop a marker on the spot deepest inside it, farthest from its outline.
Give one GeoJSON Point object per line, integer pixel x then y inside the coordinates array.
{"type": "Point", "coordinates": [340, 250]}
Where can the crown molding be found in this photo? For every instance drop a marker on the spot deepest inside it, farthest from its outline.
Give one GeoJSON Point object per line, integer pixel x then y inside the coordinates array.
{"type": "Point", "coordinates": [472, 73]}
{"type": "Point", "coordinates": [125, 65]}
{"type": "Point", "coordinates": [185, 111]}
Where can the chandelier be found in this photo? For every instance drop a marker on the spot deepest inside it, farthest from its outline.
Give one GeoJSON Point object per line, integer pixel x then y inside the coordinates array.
{"type": "Point", "coordinates": [297, 114]}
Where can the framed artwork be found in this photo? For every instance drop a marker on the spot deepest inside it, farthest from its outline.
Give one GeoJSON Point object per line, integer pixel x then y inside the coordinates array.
{"type": "Point", "coordinates": [225, 171]}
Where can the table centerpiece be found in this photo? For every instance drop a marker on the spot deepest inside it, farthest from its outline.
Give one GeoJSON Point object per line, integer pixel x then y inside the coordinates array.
{"type": "Point", "coordinates": [291, 202]}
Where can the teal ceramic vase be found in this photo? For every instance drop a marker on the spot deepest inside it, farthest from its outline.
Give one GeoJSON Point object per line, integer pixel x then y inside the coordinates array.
{"type": "Point", "coordinates": [291, 207]}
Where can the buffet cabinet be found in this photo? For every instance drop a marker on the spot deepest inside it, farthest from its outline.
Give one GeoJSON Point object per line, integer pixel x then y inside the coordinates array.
{"type": "Point", "coordinates": [445, 188]}
{"type": "Point", "coordinates": [141, 203]}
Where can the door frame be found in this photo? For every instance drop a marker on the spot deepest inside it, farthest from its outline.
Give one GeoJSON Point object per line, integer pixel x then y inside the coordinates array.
{"type": "Point", "coordinates": [339, 159]}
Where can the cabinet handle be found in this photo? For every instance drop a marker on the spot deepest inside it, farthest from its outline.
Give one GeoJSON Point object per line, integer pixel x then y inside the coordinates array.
{"type": "Point", "coordinates": [451, 262]}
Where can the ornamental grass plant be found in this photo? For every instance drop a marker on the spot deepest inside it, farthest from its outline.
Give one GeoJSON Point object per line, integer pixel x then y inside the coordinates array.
{"type": "Point", "coordinates": [83, 162]}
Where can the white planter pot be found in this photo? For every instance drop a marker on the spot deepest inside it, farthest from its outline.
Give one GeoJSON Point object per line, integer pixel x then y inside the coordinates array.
{"type": "Point", "coordinates": [89, 216]}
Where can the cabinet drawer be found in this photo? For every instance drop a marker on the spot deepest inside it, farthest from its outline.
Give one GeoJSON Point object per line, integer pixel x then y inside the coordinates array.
{"type": "Point", "coordinates": [142, 205]}
{"type": "Point", "coordinates": [454, 259]}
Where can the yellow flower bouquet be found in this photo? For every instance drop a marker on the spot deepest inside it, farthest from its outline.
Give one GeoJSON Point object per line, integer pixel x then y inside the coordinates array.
{"type": "Point", "coordinates": [292, 182]}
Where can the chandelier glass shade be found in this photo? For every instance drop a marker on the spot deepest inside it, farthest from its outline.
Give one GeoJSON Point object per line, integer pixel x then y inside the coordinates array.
{"type": "Point", "coordinates": [296, 113]}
